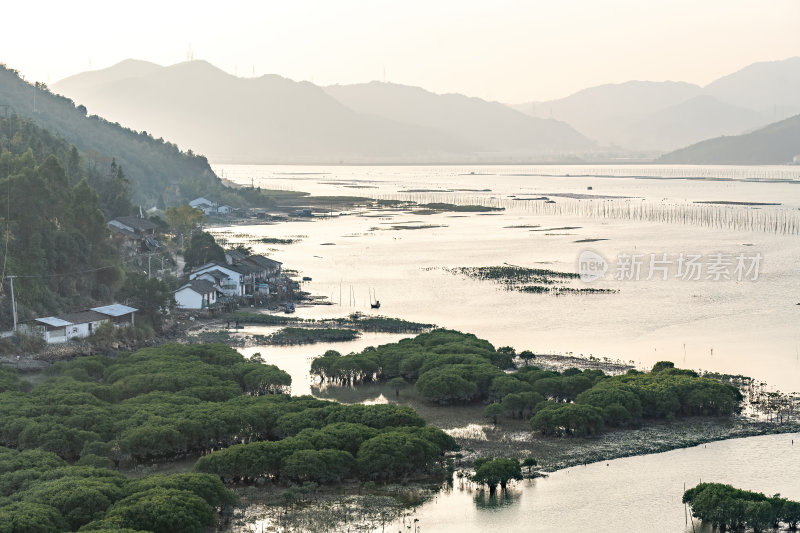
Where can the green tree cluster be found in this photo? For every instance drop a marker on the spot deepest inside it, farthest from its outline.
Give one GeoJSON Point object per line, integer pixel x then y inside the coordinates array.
{"type": "Point", "coordinates": [40, 492]}
{"type": "Point", "coordinates": [625, 400]}
{"type": "Point", "coordinates": [452, 367]}
{"type": "Point", "coordinates": [380, 446]}
{"type": "Point", "coordinates": [201, 249]}
{"type": "Point", "coordinates": [155, 403]}
{"type": "Point", "coordinates": [184, 219]}
{"type": "Point", "coordinates": [447, 366]}
{"type": "Point", "coordinates": [728, 508]}
{"type": "Point", "coordinates": [151, 296]}
{"type": "Point", "coordinates": [494, 472]}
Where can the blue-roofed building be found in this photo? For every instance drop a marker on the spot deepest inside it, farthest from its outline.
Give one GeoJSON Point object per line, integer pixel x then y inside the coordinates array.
{"type": "Point", "coordinates": [121, 315]}
{"type": "Point", "coordinates": [81, 324]}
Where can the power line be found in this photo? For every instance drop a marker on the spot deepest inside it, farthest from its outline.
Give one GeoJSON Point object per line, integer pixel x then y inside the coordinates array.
{"type": "Point", "coordinates": [65, 273]}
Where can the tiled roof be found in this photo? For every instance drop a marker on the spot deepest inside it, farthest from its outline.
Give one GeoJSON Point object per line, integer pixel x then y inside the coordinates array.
{"type": "Point", "coordinates": [201, 286]}
{"type": "Point", "coordinates": [137, 223]}
{"type": "Point", "coordinates": [265, 262]}
{"type": "Point", "coordinates": [217, 274]}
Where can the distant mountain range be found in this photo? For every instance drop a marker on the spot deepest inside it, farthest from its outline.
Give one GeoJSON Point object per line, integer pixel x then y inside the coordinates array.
{"type": "Point", "coordinates": [660, 116]}
{"type": "Point", "coordinates": [271, 119]}
{"type": "Point", "coordinates": [488, 126]}
{"type": "Point", "coordinates": [774, 144]}
{"type": "Point", "coordinates": [158, 172]}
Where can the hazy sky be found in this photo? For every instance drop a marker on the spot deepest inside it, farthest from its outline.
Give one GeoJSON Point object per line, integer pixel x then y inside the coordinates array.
{"type": "Point", "coordinates": [511, 51]}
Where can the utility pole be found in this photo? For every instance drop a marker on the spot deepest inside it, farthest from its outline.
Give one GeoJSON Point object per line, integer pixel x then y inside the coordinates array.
{"type": "Point", "coordinates": [13, 302]}
{"type": "Point", "coordinates": [149, 256]}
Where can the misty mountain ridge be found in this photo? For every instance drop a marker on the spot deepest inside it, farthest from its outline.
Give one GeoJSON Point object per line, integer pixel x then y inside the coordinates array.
{"type": "Point", "coordinates": [775, 144]}
{"type": "Point", "coordinates": [643, 115]}
{"type": "Point", "coordinates": [271, 119]}
{"type": "Point", "coordinates": [491, 126]}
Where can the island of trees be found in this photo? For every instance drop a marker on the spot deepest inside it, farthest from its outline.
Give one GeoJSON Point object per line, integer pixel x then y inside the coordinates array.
{"type": "Point", "coordinates": [448, 367]}
{"type": "Point", "coordinates": [728, 508]}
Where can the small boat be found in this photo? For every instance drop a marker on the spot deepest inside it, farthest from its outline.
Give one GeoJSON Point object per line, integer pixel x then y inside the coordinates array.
{"type": "Point", "coordinates": [306, 278]}
{"type": "Point", "coordinates": [289, 308]}
{"type": "Point", "coordinates": [373, 300]}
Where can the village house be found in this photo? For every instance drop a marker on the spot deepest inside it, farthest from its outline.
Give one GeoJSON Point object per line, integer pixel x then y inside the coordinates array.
{"type": "Point", "coordinates": [264, 271]}
{"type": "Point", "coordinates": [209, 207]}
{"type": "Point", "coordinates": [197, 294]}
{"type": "Point", "coordinates": [81, 324]}
{"type": "Point", "coordinates": [138, 232]}
{"type": "Point", "coordinates": [232, 285]}
{"type": "Point", "coordinates": [216, 277]}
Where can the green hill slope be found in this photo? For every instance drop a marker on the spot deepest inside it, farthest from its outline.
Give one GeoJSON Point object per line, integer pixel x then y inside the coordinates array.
{"type": "Point", "coordinates": [158, 171]}
{"type": "Point", "coordinates": [56, 240]}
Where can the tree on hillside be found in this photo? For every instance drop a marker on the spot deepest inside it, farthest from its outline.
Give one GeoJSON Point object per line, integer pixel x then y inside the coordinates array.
{"type": "Point", "coordinates": [202, 249]}
{"type": "Point", "coordinates": [183, 219]}
{"type": "Point", "coordinates": [152, 297]}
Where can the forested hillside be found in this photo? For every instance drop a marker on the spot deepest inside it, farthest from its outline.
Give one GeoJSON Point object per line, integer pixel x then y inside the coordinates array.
{"type": "Point", "coordinates": [53, 209]}
{"type": "Point", "coordinates": [158, 171]}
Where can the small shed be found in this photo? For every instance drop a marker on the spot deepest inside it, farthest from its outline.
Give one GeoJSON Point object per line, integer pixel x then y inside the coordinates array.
{"type": "Point", "coordinates": [54, 329]}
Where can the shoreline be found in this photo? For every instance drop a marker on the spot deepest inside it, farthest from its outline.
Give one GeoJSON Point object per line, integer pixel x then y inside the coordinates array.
{"type": "Point", "coordinates": [554, 454]}
{"type": "Point", "coordinates": [386, 502]}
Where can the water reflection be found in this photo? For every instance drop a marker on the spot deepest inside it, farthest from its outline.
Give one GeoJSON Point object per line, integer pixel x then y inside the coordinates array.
{"type": "Point", "coordinates": [485, 501]}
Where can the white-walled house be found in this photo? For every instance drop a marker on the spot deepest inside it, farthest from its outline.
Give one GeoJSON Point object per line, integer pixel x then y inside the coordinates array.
{"type": "Point", "coordinates": [262, 270]}
{"type": "Point", "coordinates": [216, 277]}
{"type": "Point", "coordinates": [209, 207]}
{"type": "Point", "coordinates": [81, 324]}
{"type": "Point", "coordinates": [233, 286]}
{"type": "Point", "coordinates": [197, 294]}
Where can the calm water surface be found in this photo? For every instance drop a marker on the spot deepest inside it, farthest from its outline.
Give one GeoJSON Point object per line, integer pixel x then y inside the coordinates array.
{"type": "Point", "coordinates": [747, 327]}
{"type": "Point", "coordinates": [742, 327]}
{"type": "Point", "coordinates": [635, 494]}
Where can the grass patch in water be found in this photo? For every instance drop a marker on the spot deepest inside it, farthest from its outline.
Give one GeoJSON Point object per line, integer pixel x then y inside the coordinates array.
{"type": "Point", "coordinates": [291, 336]}
{"type": "Point", "coordinates": [530, 280]}
{"type": "Point", "coordinates": [276, 240]}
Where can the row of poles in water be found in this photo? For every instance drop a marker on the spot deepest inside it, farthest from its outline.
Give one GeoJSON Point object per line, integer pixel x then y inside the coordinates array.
{"type": "Point", "coordinates": [766, 219]}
